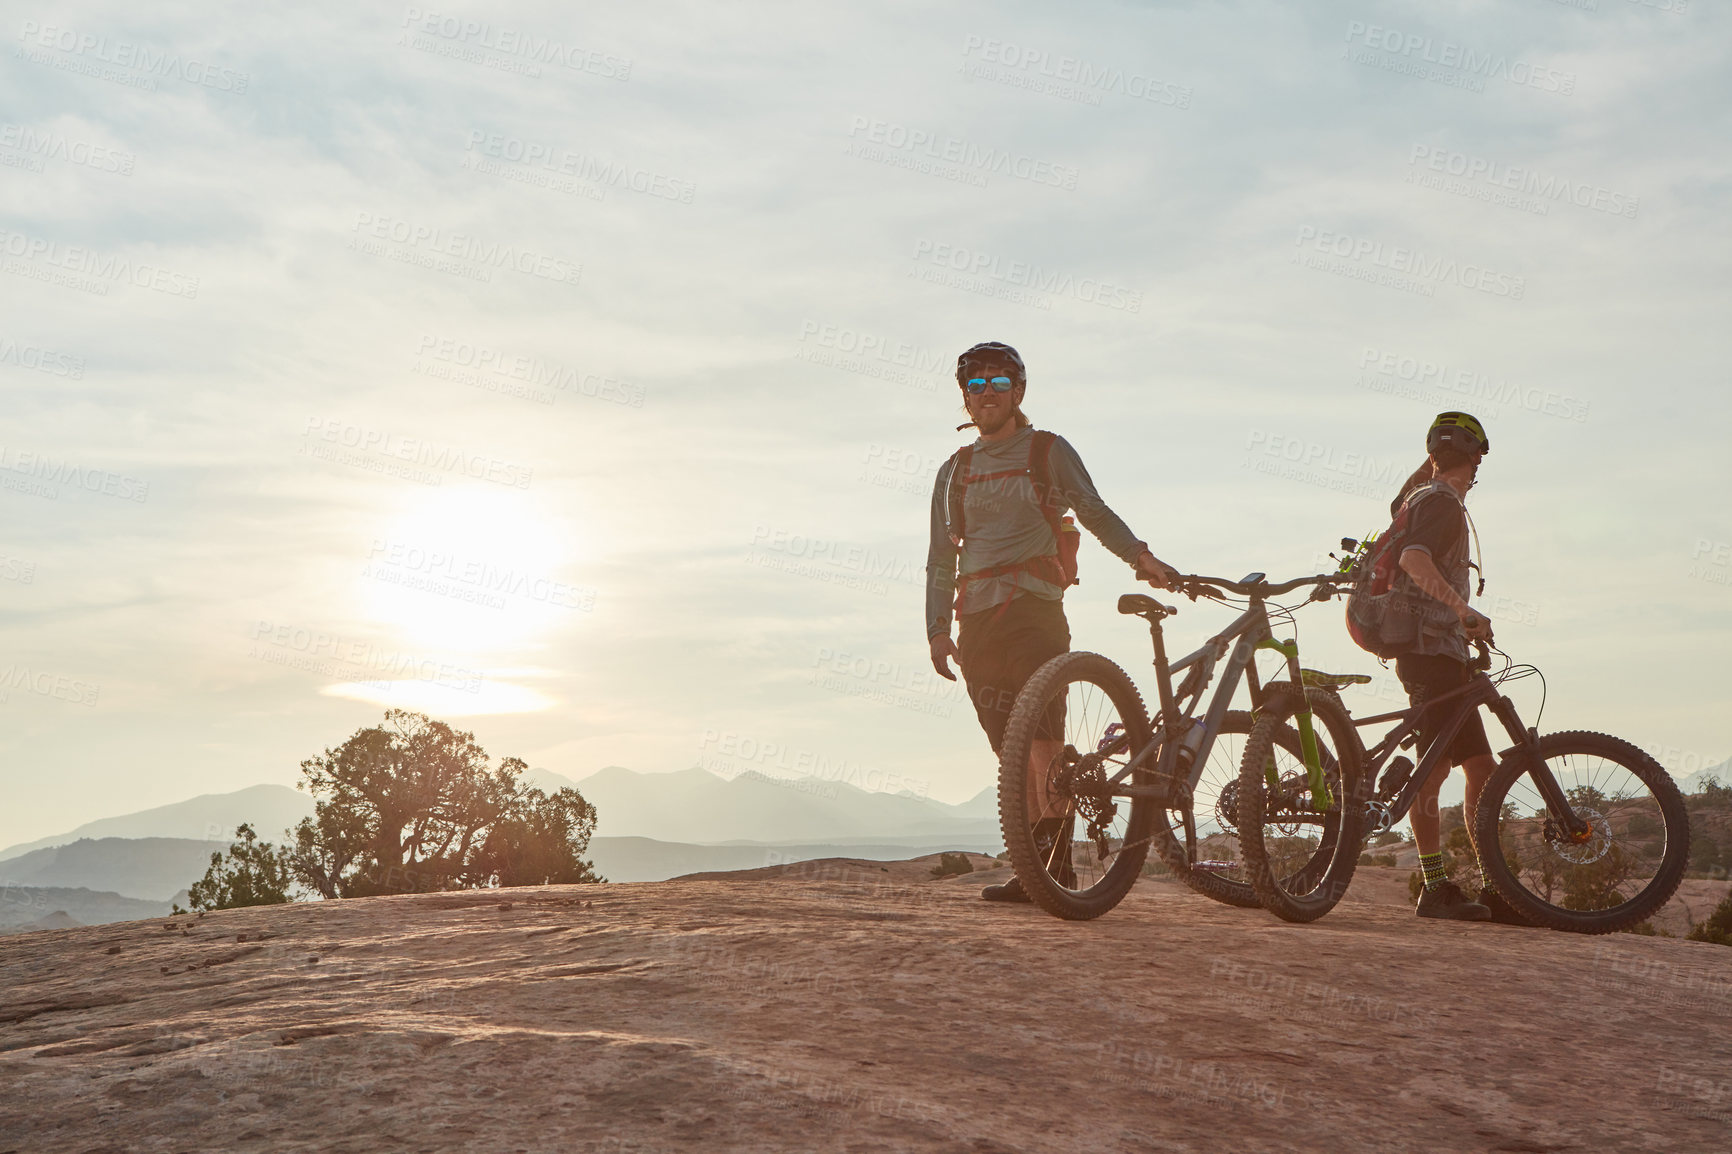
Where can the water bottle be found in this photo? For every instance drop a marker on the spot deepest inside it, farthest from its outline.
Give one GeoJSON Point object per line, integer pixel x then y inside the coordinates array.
{"type": "Point", "coordinates": [1191, 743]}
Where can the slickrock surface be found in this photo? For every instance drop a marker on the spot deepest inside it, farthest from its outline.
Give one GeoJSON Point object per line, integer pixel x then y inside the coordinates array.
{"type": "Point", "coordinates": [854, 1006]}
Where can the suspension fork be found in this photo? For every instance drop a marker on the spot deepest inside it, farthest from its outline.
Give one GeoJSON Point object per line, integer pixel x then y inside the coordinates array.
{"type": "Point", "coordinates": [1305, 723]}
{"type": "Point", "coordinates": [1526, 748]}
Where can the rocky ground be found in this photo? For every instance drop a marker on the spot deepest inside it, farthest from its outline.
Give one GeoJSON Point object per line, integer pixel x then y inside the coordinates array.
{"type": "Point", "coordinates": [855, 1006]}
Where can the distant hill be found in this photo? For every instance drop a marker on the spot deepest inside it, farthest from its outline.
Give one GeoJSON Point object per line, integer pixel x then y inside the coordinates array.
{"type": "Point", "coordinates": [692, 806]}
{"type": "Point", "coordinates": [652, 826]}
{"type": "Point", "coordinates": [208, 817]}
{"type": "Point", "coordinates": [58, 920]}
{"type": "Point", "coordinates": [1695, 782]}
{"type": "Point", "coordinates": [696, 806]}
{"type": "Point", "coordinates": [150, 868]}
{"type": "Point", "coordinates": [642, 859]}
{"type": "Point", "coordinates": [23, 907]}
{"type": "Point", "coordinates": [160, 869]}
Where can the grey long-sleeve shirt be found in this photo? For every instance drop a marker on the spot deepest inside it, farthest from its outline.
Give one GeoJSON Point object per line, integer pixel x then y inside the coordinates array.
{"type": "Point", "coordinates": [1003, 525]}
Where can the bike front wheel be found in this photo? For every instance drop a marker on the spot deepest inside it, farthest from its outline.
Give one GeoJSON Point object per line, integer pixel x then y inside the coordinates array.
{"type": "Point", "coordinates": [1076, 849]}
{"type": "Point", "coordinates": [1299, 850]}
{"type": "Point", "coordinates": [1620, 872]}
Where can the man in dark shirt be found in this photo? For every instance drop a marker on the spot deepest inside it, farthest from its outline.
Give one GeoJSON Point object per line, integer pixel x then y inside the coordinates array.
{"type": "Point", "coordinates": [1435, 564]}
{"type": "Point", "coordinates": [1010, 605]}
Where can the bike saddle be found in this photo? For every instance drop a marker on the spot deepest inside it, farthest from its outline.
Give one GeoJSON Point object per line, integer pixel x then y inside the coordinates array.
{"type": "Point", "coordinates": [1317, 679]}
{"type": "Point", "coordinates": [1139, 605]}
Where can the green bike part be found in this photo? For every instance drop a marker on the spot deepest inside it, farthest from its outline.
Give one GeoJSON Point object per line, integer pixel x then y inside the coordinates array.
{"type": "Point", "coordinates": [1287, 649]}
{"type": "Point", "coordinates": [1317, 679]}
{"type": "Point", "coordinates": [1313, 761]}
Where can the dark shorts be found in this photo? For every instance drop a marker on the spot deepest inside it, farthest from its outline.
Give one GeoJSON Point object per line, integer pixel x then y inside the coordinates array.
{"type": "Point", "coordinates": [1001, 648]}
{"type": "Point", "coordinates": [1428, 676]}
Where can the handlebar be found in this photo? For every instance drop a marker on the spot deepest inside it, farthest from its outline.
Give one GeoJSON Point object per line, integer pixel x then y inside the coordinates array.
{"type": "Point", "coordinates": [1194, 585]}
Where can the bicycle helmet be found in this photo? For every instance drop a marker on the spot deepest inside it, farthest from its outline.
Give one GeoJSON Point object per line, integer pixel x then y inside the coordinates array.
{"type": "Point", "coordinates": [1457, 431]}
{"type": "Point", "coordinates": [991, 354]}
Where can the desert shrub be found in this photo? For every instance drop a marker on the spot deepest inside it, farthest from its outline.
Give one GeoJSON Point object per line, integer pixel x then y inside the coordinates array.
{"type": "Point", "coordinates": [952, 865]}
{"type": "Point", "coordinates": [1718, 927]}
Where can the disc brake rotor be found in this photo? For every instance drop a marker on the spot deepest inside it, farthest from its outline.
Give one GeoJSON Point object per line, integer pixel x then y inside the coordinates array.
{"type": "Point", "coordinates": [1586, 850]}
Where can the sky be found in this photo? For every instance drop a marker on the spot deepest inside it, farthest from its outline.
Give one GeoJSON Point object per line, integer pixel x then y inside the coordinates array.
{"type": "Point", "coordinates": [577, 374]}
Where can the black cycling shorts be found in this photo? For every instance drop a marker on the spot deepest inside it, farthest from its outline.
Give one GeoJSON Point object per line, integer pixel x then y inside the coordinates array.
{"type": "Point", "coordinates": [1001, 648]}
{"type": "Point", "coordinates": [1428, 675]}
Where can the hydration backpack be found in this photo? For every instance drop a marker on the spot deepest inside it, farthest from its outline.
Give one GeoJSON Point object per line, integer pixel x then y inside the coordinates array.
{"type": "Point", "coordinates": [1382, 618]}
{"type": "Point", "coordinates": [1059, 568]}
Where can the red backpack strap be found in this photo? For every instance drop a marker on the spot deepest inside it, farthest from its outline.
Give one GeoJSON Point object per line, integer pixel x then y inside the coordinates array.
{"type": "Point", "coordinates": [1040, 472]}
{"type": "Point", "coordinates": [953, 494]}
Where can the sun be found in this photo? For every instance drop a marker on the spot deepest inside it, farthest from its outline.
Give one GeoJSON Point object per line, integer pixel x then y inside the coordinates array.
{"type": "Point", "coordinates": [473, 573]}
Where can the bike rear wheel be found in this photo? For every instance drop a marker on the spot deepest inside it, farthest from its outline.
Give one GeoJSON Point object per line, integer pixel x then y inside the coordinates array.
{"type": "Point", "coordinates": [1197, 838]}
{"type": "Point", "coordinates": [1622, 872]}
{"type": "Point", "coordinates": [1300, 857]}
{"type": "Point", "coordinates": [1092, 718]}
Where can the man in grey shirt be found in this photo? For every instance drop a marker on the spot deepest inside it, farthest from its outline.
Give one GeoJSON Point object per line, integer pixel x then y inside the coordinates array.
{"type": "Point", "coordinates": [995, 560]}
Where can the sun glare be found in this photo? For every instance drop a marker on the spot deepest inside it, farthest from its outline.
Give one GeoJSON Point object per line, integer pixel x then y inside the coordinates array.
{"type": "Point", "coordinates": [473, 572]}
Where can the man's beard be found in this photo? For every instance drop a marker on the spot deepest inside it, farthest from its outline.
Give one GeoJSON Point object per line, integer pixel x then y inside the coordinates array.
{"type": "Point", "coordinates": [997, 421]}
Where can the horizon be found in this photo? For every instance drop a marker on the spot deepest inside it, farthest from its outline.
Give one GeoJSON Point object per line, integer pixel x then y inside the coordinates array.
{"type": "Point", "coordinates": [592, 404]}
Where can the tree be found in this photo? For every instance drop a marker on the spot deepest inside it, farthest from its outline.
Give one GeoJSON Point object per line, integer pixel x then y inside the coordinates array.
{"type": "Point", "coordinates": [539, 840]}
{"type": "Point", "coordinates": [412, 805]}
{"type": "Point", "coordinates": [252, 873]}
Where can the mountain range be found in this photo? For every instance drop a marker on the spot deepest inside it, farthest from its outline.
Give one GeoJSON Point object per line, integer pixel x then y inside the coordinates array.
{"type": "Point", "coordinates": [650, 827]}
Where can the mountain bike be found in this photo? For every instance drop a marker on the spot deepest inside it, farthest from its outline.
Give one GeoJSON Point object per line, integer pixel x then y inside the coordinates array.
{"type": "Point", "coordinates": [1576, 831]}
{"type": "Point", "coordinates": [1121, 783]}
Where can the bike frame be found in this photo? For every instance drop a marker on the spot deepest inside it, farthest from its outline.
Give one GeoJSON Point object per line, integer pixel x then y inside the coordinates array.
{"type": "Point", "coordinates": [1252, 631]}
{"type": "Point", "coordinates": [1383, 812]}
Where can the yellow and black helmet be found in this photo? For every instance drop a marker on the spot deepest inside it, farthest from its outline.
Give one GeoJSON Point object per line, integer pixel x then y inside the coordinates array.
{"type": "Point", "coordinates": [1457, 431]}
